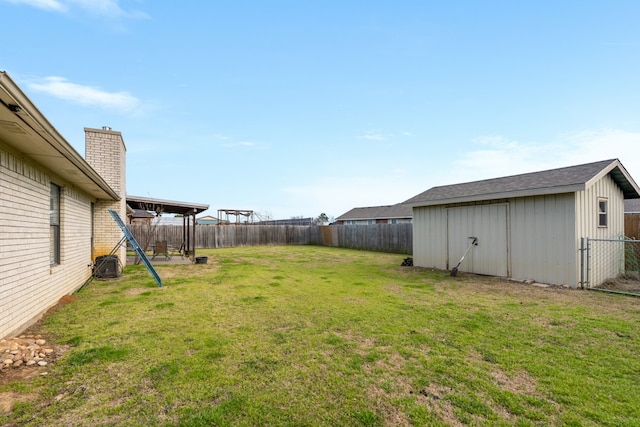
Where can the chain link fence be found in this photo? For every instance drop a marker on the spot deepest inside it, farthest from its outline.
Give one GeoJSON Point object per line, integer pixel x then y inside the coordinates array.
{"type": "Point", "coordinates": [611, 265]}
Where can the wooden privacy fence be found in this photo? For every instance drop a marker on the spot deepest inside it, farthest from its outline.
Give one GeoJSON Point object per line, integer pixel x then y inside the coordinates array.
{"type": "Point", "coordinates": [632, 225]}
{"type": "Point", "coordinates": [395, 238]}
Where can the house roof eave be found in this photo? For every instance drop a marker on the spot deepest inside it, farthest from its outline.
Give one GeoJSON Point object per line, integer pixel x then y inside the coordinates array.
{"type": "Point", "coordinates": [24, 128]}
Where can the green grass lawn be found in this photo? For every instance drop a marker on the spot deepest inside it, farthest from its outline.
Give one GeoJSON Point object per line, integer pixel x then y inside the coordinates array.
{"type": "Point", "coordinates": [314, 336]}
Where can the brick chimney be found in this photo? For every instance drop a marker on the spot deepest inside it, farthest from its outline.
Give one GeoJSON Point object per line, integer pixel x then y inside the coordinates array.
{"type": "Point", "coordinates": [106, 153]}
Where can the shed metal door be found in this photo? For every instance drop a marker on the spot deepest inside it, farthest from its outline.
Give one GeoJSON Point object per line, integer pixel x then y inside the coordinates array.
{"type": "Point", "coordinates": [489, 224]}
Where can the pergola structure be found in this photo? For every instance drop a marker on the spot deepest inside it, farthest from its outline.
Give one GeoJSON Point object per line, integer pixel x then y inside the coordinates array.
{"type": "Point", "coordinates": [237, 213]}
{"type": "Point", "coordinates": [186, 209]}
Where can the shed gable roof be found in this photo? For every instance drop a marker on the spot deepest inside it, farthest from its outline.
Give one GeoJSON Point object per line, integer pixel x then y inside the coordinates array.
{"type": "Point", "coordinates": [553, 181]}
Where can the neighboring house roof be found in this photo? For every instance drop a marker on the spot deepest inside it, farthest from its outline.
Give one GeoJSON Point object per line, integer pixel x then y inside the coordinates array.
{"type": "Point", "coordinates": [399, 210]}
{"type": "Point", "coordinates": [554, 181]}
{"type": "Point", "coordinates": [207, 219]}
{"type": "Point", "coordinates": [139, 213]}
{"type": "Point", "coordinates": [165, 206]}
{"type": "Point", "coordinates": [24, 127]}
{"type": "Point", "coordinates": [632, 206]}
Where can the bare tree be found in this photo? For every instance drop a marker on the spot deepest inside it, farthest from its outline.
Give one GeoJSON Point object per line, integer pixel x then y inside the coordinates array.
{"type": "Point", "coordinates": [263, 215]}
{"type": "Point", "coordinates": [321, 219]}
{"type": "Point", "coordinates": [147, 235]}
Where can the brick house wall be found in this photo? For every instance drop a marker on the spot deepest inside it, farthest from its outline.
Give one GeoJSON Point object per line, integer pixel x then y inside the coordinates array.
{"type": "Point", "coordinates": [43, 260]}
{"type": "Point", "coordinates": [29, 284]}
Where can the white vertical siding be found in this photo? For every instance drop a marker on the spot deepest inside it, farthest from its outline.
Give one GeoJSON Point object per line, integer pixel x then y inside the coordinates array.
{"type": "Point", "coordinates": [28, 284]}
{"type": "Point", "coordinates": [542, 243]}
{"type": "Point", "coordinates": [430, 237]}
{"type": "Point", "coordinates": [543, 234]}
{"type": "Point", "coordinates": [439, 242]}
{"type": "Point", "coordinates": [489, 224]}
{"type": "Point", "coordinates": [587, 205]}
{"type": "Point", "coordinates": [526, 238]}
{"type": "Point", "coordinates": [587, 225]}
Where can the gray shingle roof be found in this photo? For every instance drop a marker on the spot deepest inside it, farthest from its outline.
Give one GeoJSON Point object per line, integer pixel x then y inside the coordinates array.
{"type": "Point", "coordinates": [632, 206]}
{"type": "Point", "coordinates": [554, 181]}
{"type": "Point", "coordinates": [378, 212]}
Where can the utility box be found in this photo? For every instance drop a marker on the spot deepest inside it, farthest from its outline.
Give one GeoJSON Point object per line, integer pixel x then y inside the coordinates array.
{"type": "Point", "coordinates": [107, 266]}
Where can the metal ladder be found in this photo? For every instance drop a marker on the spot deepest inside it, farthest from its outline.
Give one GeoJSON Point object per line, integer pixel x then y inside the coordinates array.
{"type": "Point", "coordinates": [135, 245]}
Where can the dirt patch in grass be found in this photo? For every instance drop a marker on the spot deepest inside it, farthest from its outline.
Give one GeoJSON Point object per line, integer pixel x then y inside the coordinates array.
{"type": "Point", "coordinates": [390, 414]}
{"type": "Point", "coordinates": [8, 399]}
{"type": "Point", "coordinates": [630, 285]}
{"type": "Point", "coordinates": [26, 373]}
{"type": "Point", "coordinates": [22, 374]}
{"type": "Point", "coordinates": [135, 291]}
{"type": "Point", "coordinates": [519, 383]}
{"type": "Point", "coordinates": [189, 270]}
{"type": "Point", "coordinates": [433, 396]}
{"type": "Point", "coordinates": [67, 299]}
{"type": "Point", "coordinates": [531, 291]}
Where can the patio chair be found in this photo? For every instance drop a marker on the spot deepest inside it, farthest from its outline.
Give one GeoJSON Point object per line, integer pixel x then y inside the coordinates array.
{"type": "Point", "coordinates": [179, 251]}
{"type": "Point", "coordinates": [161, 248]}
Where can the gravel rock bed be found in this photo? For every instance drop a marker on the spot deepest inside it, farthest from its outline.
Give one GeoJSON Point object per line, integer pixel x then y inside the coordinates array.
{"type": "Point", "coordinates": [25, 350]}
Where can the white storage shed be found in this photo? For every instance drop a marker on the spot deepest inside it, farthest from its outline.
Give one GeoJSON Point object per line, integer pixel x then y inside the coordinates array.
{"type": "Point", "coordinates": [528, 226]}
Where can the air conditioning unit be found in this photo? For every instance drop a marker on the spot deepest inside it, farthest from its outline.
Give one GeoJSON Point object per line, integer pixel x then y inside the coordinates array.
{"type": "Point", "coordinates": [107, 266]}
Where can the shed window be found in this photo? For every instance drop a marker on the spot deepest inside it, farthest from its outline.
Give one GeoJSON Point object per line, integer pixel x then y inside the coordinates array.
{"type": "Point", "coordinates": [603, 210]}
{"type": "Point", "coordinates": [54, 225]}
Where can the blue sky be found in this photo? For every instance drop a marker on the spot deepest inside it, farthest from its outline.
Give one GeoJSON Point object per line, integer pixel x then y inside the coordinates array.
{"type": "Point", "coordinates": [295, 108]}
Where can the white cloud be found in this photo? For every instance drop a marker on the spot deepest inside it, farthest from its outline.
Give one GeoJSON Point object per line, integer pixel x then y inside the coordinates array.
{"type": "Point", "coordinates": [53, 5]}
{"type": "Point", "coordinates": [373, 136]}
{"type": "Point", "coordinates": [605, 144]}
{"type": "Point", "coordinates": [497, 156]}
{"type": "Point", "coordinates": [61, 88]}
{"type": "Point", "coordinates": [336, 195]}
{"type": "Point", "coordinates": [230, 142]}
{"type": "Point", "coordinates": [247, 144]}
{"type": "Point", "coordinates": [489, 157]}
{"type": "Point", "coordinates": [242, 144]}
{"type": "Point", "coordinates": [376, 135]}
{"type": "Point", "coordinates": [104, 8]}
{"type": "Point", "coordinates": [107, 8]}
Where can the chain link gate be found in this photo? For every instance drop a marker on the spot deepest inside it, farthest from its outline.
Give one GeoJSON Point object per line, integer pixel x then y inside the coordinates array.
{"type": "Point", "coordinates": [610, 265]}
